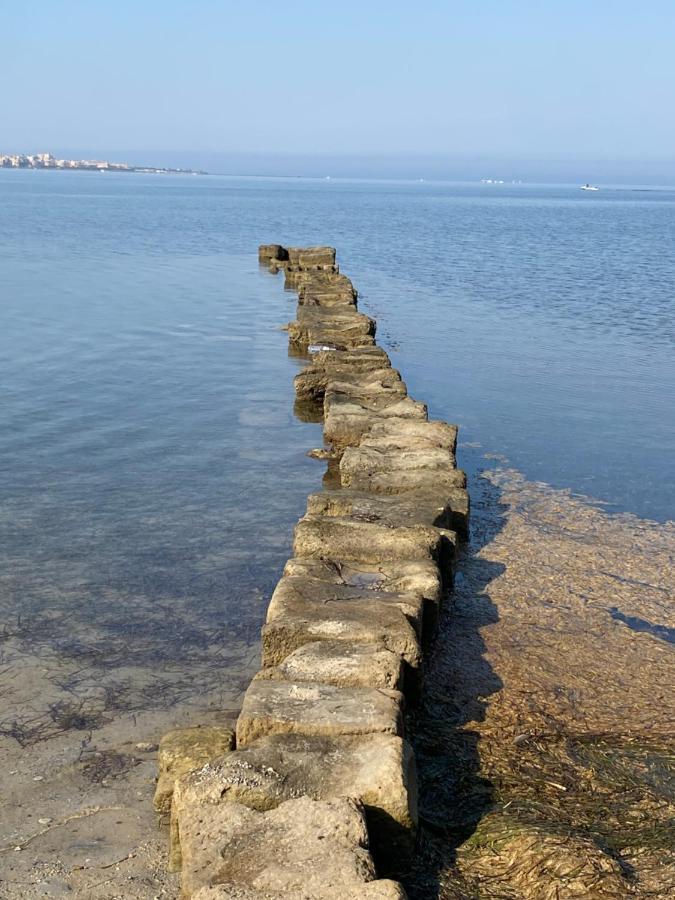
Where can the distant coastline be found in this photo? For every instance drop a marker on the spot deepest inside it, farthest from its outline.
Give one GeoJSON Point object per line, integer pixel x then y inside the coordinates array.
{"type": "Point", "coordinates": [47, 161]}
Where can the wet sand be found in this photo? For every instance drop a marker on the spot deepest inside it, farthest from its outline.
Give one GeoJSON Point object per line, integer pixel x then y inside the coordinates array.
{"type": "Point", "coordinates": [78, 774]}
{"type": "Point", "coordinates": [546, 739]}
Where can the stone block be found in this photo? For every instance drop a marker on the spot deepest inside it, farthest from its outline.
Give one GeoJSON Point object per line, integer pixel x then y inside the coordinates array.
{"type": "Point", "coordinates": [311, 383]}
{"type": "Point", "coordinates": [341, 663]}
{"type": "Point", "coordinates": [301, 845]}
{"type": "Point", "coordinates": [269, 252]}
{"type": "Point", "coordinates": [371, 460]}
{"type": "Point", "coordinates": [294, 273]}
{"type": "Point", "coordinates": [378, 770]}
{"type": "Point", "coordinates": [346, 420]}
{"type": "Point", "coordinates": [284, 707]}
{"type": "Point", "coordinates": [319, 281]}
{"type": "Point", "coordinates": [185, 749]}
{"type": "Point", "coordinates": [448, 509]}
{"type": "Point", "coordinates": [351, 538]}
{"type": "Point", "coordinates": [402, 481]}
{"type": "Point", "coordinates": [311, 256]}
{"type": "Point", "coordinates": [305, 610]}
{"type": "Point", "coordinates": [382, 889]}
{"type": "Point", "coordinates": [338, 327]}
{"type": "Point", "coordinates": [409, 434]}
{"type": "Point", "coordinates": [384, 386]}
{"type": "Point", "coordinates": [419, 577]}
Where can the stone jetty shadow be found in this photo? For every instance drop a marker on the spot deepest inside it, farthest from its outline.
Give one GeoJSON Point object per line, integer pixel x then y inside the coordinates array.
{"type": "Point", "coordinates": [458, 685]}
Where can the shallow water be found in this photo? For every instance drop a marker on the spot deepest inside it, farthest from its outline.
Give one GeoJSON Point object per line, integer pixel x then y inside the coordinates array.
{"type": "Point", "coordinates": [151, 468]}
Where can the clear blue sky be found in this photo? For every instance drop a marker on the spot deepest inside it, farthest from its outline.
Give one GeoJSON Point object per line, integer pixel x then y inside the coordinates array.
{"type": "Point", "coordinates": [498, 79]}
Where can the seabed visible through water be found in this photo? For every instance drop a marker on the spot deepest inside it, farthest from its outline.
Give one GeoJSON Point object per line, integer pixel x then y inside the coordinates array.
{"type": "Point", "coordinates": [545, 739]}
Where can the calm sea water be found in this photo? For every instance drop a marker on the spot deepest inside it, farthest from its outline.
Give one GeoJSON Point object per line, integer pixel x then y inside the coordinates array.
{"type": "Point", "coordinates": [150, 465]}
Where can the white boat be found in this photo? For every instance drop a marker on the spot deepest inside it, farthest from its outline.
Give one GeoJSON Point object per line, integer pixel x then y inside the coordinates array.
{"type": "Point", "coordinates": [589, 187]}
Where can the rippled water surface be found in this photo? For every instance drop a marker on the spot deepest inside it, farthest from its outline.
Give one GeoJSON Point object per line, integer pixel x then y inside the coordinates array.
{"type": "Point", "coordinates": [151, 468]}
{"type": "Point", "coordinates": [151, 465]}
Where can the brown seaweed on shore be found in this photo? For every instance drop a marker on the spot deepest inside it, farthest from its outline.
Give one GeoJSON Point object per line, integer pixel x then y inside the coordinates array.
{"type": "Point", "coordinates": [546, 736]}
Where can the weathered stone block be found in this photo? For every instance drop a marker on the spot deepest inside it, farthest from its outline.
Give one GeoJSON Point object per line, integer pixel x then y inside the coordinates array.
{"type": "Point", "coordinates": [269, 252]}
{"type": "Point", "coordinates": [346, 420]}
{"type": "Point", "coordinates": [341, 663]}
{"type": "Point", "coordinates": [311, 382]}
{"type": "Point", "coordinates": [401, 481]}
{"type": "Point", "coordinates": [349, 538]}
{"type": "Point", "coordinates": [382, 889]}
{"type": "Point", "coordinates": [404, 433]}
{"type": "Point", "coordinates": [448, 509]}
{"type": "Point", "coordinates": [420, 577]}
{"type": "Point", "coordinates": [304, 595]}
{"type": "Point", "coordinates": [383, 386]}
{"type": "Point", "coordinates": [185, 749]}
{"type": "Point", "coordinates": [283, 707]}
{"type": "Point", "coordinates": [311, 281]}
{"type": "Point", "coordinates": [371, 460]}
{"type": "Point", "coordinates": [294, 273]}
{"type": "Point", "coordinates": [311, 256]}
{"type": "Point", "coordinates": [378, 770]}
{"type": "Point", "coordinates": [305, 610]}
{"type": "Point", "coordinates": [339, 327]}
{"type": "Point", "coordinates": [301, 845]}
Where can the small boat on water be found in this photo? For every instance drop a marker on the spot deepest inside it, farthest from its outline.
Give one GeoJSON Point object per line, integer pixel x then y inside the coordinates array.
{"type": "Point", "coordinates": [589, 187]}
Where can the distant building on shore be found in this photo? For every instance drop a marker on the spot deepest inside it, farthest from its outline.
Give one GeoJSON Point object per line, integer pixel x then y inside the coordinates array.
{"type": "Point", "coordinates": [47, 161]}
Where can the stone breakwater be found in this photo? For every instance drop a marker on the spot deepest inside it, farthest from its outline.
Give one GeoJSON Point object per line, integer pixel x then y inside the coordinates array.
{"type": "Point", "coordinates": [313, 794]}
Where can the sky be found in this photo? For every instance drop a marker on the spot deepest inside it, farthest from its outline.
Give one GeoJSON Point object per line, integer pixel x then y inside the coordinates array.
{"type": "Point", "coordinates": [299, 86]}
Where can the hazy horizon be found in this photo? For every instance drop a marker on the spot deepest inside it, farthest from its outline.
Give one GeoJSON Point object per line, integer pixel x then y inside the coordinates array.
{"type": "Point", "coordinates": [410, 167]}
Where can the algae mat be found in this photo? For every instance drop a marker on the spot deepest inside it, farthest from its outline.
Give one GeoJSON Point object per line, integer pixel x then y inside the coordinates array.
{"type": "Point", "coordinates": [546, 737]}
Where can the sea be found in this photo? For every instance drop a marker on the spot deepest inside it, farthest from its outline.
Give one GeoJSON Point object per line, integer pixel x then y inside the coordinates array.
{"type": "Point", "coordinates": [151, 466]}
